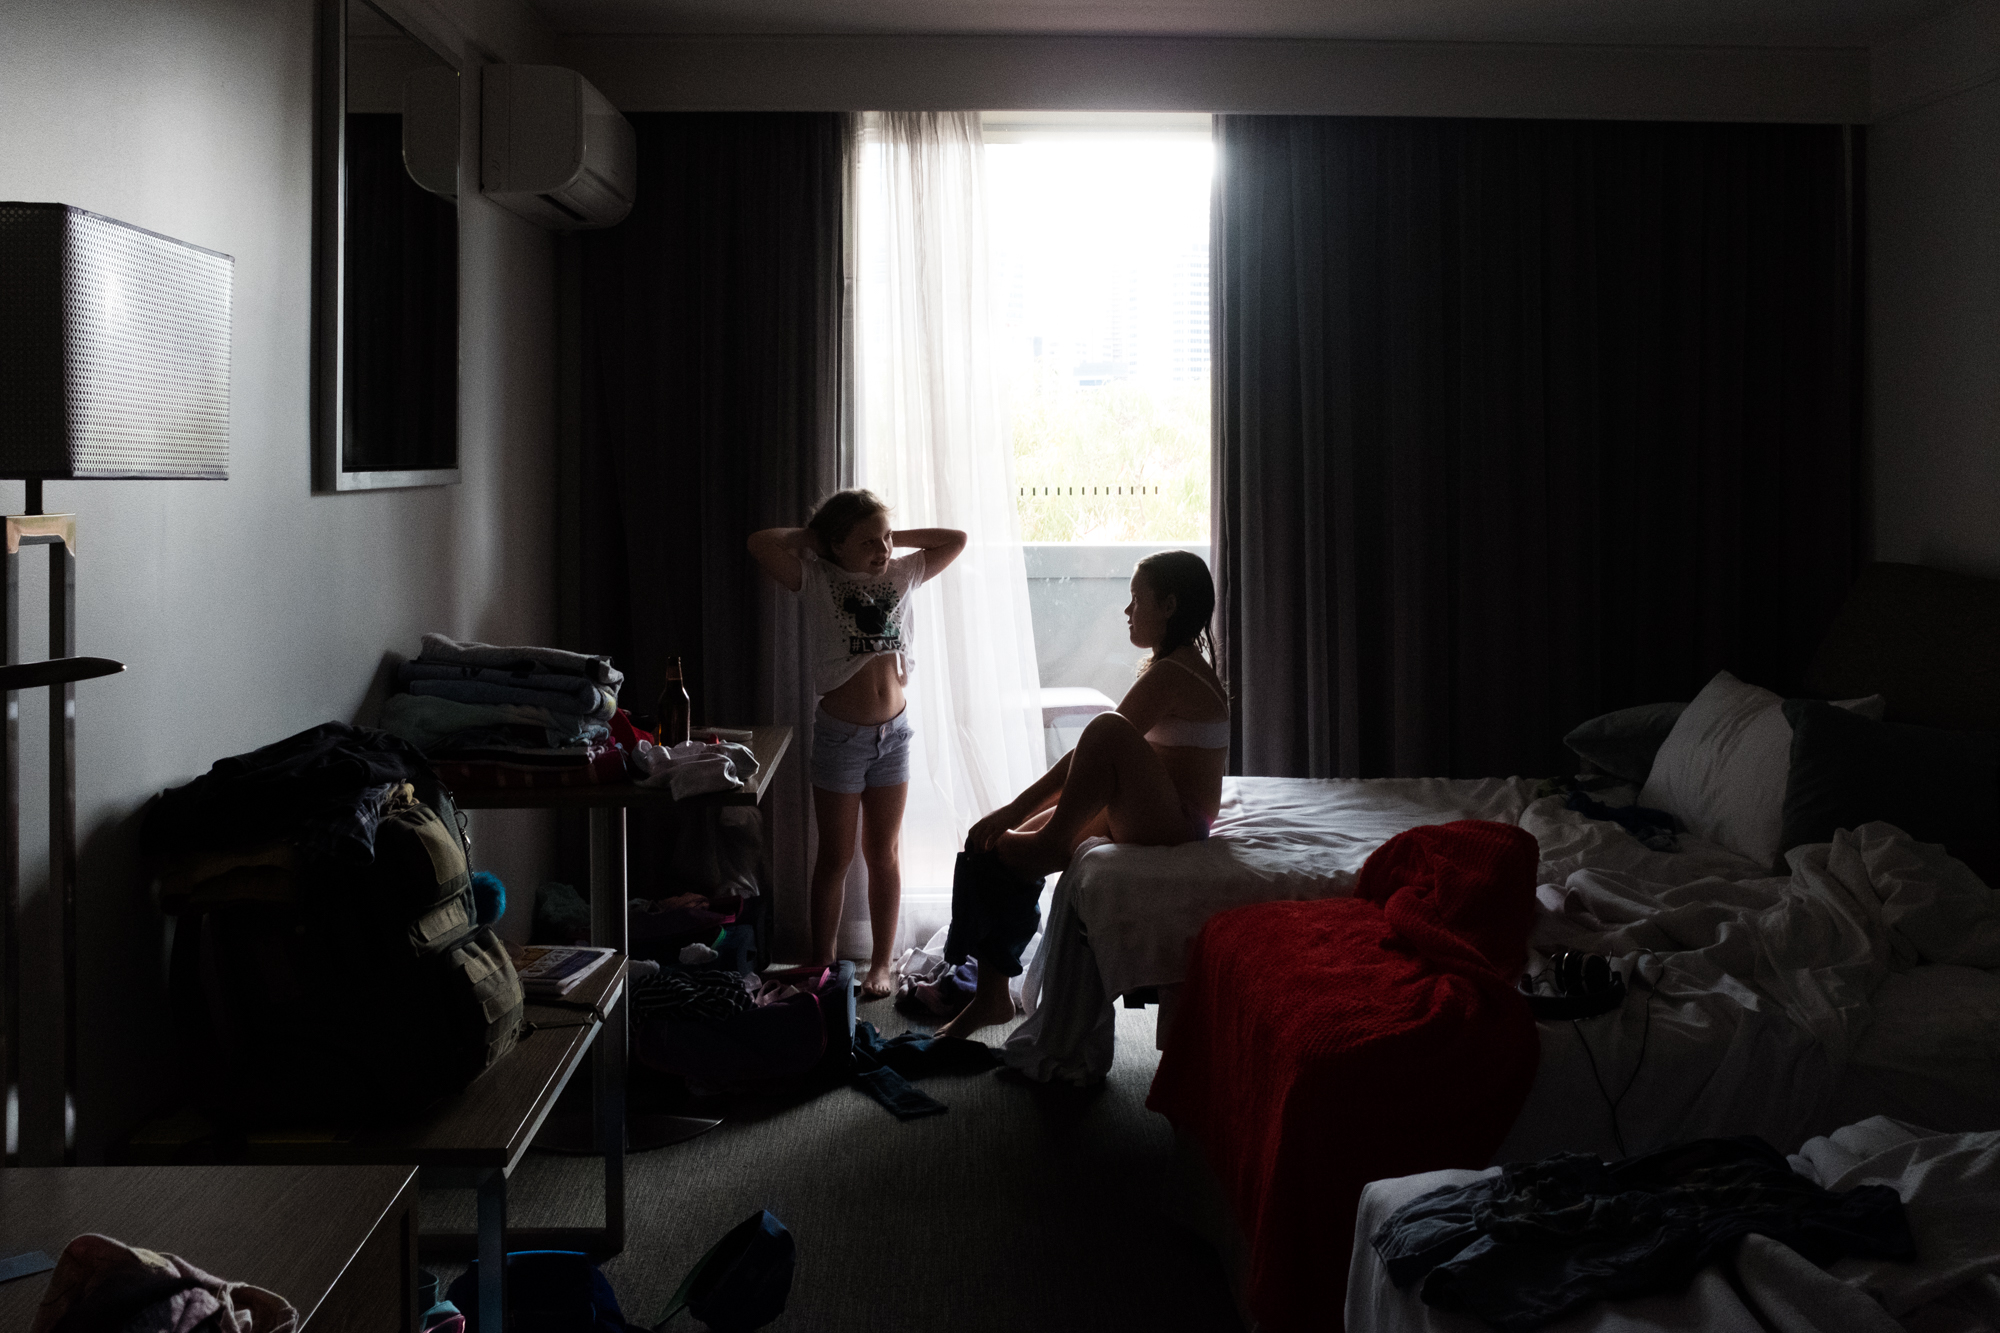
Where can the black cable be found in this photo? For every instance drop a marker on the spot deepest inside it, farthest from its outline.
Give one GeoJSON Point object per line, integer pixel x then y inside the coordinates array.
{"type": "Point", "coordinates": [1646, 1031]}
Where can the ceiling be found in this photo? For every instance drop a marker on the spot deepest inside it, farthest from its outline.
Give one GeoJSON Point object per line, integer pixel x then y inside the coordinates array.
{"type": "Point", "coordinates": [1648, 22]}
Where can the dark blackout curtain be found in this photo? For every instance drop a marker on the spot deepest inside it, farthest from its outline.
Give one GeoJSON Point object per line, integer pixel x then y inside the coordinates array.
{"type": "Point", "coordinates": [710, 403]}
{"type": "Point", "coordinates": [1519, 422]}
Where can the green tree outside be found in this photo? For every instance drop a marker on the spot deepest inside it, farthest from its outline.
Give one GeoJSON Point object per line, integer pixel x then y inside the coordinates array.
{"type": "Point", "coordinates": [1119, 462]}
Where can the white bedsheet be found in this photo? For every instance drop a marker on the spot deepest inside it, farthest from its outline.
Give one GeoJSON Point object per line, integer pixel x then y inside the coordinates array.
{"type": "Point", "coordinates": [1860, 984]}
{"type": "Point", "coordinates": [1950, 1186]}
{"type": "Point", "coordinates": [1276, 839]}
{"type": "Point", "coordinates": [1122, 917]}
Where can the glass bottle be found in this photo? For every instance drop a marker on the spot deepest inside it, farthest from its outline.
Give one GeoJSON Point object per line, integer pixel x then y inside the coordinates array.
{"type": "Point", "coordinates": [676, 710]}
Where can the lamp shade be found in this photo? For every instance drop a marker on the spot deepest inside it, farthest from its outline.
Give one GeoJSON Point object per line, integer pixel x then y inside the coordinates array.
{"type": "Point", "coordinates": [114, 349]}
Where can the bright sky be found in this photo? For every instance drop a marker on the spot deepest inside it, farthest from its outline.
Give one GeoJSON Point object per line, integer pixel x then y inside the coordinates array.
{"type": "Point", "coordinates": [1100, 248]}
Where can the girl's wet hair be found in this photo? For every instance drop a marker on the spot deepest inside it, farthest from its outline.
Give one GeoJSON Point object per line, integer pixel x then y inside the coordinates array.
{"type": "Point", "coordinates": [1184, 576]}
{"type": "Point", "coordinates": [838, 513]}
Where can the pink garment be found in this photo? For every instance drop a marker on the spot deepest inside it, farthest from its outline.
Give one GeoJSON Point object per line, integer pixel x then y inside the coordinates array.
{"type": "Point", "coordinates": [105, 1286]}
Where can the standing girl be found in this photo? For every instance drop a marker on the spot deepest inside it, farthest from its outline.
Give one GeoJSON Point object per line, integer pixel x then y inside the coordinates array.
{"type": "Point", "coordinates": [859, 635]}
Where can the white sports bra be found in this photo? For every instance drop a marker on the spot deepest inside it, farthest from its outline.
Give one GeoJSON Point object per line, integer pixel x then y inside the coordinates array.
{"type": "Point", "coordinates": [1178, 731]}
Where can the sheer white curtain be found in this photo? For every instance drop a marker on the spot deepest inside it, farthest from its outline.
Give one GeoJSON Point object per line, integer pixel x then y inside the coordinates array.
{"type": "Point", "coordinates": [930, 437]}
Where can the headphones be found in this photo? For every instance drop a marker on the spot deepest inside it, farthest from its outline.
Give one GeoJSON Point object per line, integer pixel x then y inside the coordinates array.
{"type": "Point", "coordinates": [1574, 985]}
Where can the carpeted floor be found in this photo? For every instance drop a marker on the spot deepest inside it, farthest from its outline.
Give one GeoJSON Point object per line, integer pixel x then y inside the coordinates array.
{"type": "Point", "coordinates": [1023, 1207]}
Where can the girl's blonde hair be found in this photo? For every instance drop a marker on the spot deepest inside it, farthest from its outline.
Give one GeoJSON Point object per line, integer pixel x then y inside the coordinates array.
{"type": "Point", "coordinates": [838, 513]}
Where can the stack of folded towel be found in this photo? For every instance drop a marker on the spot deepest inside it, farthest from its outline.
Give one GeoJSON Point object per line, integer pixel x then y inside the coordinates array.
{"type": "Point", "coordinates": [520, 707]}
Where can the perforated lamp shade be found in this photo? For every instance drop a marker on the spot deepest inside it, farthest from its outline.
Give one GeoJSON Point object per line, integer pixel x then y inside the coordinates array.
{"type": "Point", "coordinates": [114, 349]}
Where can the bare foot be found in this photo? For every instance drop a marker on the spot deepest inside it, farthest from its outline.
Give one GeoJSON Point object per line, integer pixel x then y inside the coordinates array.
{"type": "Point", "coordinates": [878, 984]}
{"type": "Point", "coordinates": [983, 1012]}
{"type": "Point", "coordinates": [1036, 853]}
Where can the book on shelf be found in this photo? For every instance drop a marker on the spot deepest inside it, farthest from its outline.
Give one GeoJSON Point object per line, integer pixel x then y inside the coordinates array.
{"type": "Point", "coordinates": [549, 971]}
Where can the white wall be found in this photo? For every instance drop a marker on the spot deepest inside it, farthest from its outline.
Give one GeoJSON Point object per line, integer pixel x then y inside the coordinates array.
{"type": "Point", "coordinates": [1934, 294]}
{"type": "Point", "coordinates": [251, 608]}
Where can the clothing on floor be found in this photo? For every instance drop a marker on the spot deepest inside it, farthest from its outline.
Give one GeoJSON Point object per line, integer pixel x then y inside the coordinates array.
{"type": "Point", "coordinates": [437, 648]}
{"type": "Point", "coordinates": [324, 786]}
{"type": "Point", "coordinates": [883, 1069]}
{"type": "Point", "coordinates": [942, 997]}
{"type": "Point", "coordinates": [1541, 1239]}
{"type": "Point", "coordinates": [710, 995]}
{"type": "Point", "coordinates": [1655, 828]}
{"type": "Point", "coordinates": [995, 911]}
{"type": "Point", "coordinates": [104, 1284]}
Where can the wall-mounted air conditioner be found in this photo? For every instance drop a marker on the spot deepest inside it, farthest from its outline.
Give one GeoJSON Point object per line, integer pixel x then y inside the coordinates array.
{"type": "Point", "coordinates": [553, 149]}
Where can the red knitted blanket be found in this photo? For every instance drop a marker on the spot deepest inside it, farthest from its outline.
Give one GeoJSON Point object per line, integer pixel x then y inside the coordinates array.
{"type": "Point", "coordinates": [1322, 1045]}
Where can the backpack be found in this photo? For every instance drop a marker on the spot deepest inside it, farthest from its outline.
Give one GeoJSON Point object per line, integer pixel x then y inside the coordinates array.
{"type": "Point", "coordinates": [322, 988]}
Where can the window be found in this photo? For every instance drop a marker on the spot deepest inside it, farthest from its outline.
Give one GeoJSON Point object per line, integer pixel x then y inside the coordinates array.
{"type": "Point", "coordinates": [1099, 239]}
{"type": "Point", "coordinates": [1098, 229]}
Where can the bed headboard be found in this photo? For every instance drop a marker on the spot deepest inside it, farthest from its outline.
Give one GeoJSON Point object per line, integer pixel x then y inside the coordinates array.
{"type": "Point", "coordinates": [1927, 641]}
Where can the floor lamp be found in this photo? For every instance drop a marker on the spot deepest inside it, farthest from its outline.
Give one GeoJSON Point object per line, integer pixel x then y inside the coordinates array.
{"type": "Point", "coordinates": [114, 363]}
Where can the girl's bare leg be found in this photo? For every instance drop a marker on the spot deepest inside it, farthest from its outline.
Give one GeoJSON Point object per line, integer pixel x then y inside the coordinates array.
{"type": "Point", "coordinates": [881, 849]}
{"type": "Point", "coordinates": [835, 812]}
{"type": "Point", "coordinates": [992, 1003]}
{"type": "Point", "coordinates": [1114, 772]}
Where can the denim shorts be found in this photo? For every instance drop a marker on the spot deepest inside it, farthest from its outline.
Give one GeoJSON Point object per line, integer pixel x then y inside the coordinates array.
{"type": "Point", "coordinates": [847, 758]}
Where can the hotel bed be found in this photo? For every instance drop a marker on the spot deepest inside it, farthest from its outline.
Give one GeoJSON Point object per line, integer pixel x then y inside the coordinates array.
{"type": "Point", "coordinates": [1733, 967]}
{"type": "Point", "coordinates": [1122, 918]}
{"type": "Point", "coordinates": [1859, 978]}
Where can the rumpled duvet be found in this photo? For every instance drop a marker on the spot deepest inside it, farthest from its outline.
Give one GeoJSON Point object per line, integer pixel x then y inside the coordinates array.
{"type": "Point", "coordinates": [1326, 1044]}
{"type": "Point", "coordinates": [1780, 1007]}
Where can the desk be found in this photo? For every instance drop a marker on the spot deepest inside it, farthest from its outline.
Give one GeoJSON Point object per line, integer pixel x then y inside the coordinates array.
{"type": "Point", "coordinates": [475, 1138]}
{"type": "Point", "coordinates": [338, 1242]}
{"type": "Point", "coordinates": [607, 803]}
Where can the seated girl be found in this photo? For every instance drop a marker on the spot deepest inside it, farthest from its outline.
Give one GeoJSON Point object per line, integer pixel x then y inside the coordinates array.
{"type": "Point", "coordinates": [1149, 773]}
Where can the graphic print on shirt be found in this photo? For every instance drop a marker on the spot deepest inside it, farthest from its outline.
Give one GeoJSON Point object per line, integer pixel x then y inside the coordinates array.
{"type": "Point", "coordinates": [866, 614]}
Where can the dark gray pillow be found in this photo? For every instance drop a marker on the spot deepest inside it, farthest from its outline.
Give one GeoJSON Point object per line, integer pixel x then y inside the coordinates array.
{"type": "Point", "coordinates": [1936, 786]}
{"type": "Point", "coordinates": [1623, 743]}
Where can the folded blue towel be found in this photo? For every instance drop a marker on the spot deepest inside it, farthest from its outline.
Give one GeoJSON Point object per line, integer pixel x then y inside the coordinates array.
{"type": "Point", "coordinates": [584, 698]}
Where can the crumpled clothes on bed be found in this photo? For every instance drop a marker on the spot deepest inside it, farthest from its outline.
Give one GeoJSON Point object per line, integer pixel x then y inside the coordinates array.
{"type": "Point", "coordinates": [1541, 1239]}
{"type": "Point", "coordinates": [1655, 828]}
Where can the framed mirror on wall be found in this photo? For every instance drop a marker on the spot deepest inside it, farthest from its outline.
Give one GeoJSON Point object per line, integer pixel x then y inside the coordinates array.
{"type": "Point", "coordinates": [386, 309]}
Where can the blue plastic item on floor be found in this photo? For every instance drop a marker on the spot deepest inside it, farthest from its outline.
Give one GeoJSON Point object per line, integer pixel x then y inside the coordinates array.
{"type": "Point", "coordinates": [548, 1291]}
{"type": "Point", "coordinates": [743, 1282]}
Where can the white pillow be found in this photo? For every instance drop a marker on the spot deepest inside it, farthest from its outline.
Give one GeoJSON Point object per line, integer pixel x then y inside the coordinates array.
{"type": "Point", "coordinates": [1722, 769]}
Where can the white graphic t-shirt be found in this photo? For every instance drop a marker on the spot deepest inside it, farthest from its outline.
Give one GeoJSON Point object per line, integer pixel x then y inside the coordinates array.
{"type": "Point", "coordinates": [853, 617]}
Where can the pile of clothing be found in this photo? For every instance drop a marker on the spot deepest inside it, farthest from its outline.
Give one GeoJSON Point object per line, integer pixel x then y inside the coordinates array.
{"type": "Point", "coordinates": [488, 715]}
{"type": "Point", "coordinates": [493, 716]}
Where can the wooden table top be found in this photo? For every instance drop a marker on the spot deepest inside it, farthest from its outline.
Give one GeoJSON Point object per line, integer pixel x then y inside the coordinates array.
{"type": "Point", "coordinates": [491, 1121]}
{"type": "Point", "coordinates": [769, 744]}
{"type": "Point", "coordinates": [288, 1229]}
